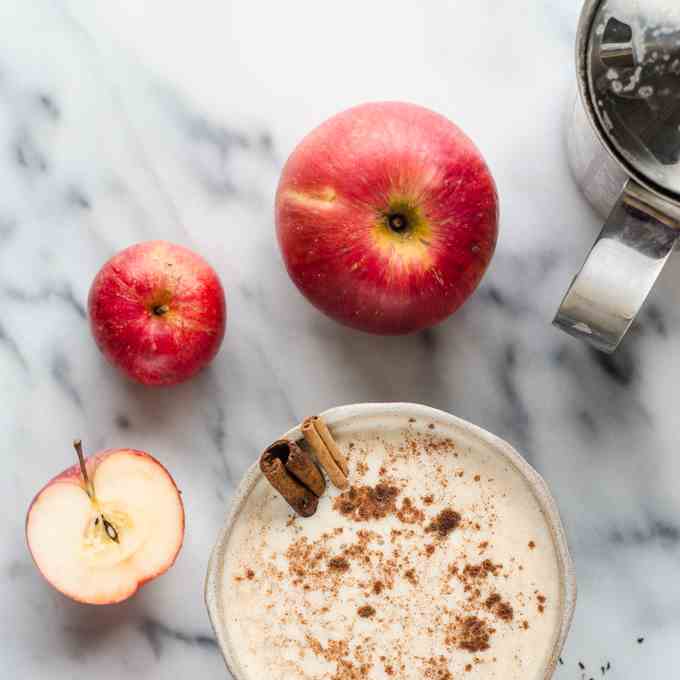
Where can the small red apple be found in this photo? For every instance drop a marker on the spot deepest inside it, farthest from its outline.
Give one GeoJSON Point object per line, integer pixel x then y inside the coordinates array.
{"type": "Point", "coordinates": [387, 217]}
{"type": "Point", "coordinates": [105, 527]}
{"type": "Point", "coordinates": [157, 311]}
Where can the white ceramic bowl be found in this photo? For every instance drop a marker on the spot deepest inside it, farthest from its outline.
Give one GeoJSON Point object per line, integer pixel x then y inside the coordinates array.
{"type": "Point", "coordinates": [358, 417]}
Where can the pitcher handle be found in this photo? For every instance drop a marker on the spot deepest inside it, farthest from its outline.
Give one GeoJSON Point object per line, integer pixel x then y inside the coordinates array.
{"type": "Point", "coordinates": [620, 270]}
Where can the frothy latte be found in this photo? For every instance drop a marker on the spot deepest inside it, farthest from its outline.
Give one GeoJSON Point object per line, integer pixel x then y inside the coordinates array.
{"type": "Point", "coordinates": [438, 562]}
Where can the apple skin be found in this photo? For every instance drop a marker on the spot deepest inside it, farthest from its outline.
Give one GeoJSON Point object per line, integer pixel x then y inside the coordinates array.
{"type": "Point", "coordinates": [157, 312]}
{"type": "Point", "coordinates": [344, 183]}
{"type": "Point", "coordinates": [72, 475]}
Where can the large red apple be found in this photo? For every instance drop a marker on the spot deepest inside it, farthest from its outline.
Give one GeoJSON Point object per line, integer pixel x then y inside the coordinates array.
{"type": "Point", "coordinates": [157, 311]}
{"type": "Point", "coordinates": [103, 528]}
{"type": "Point", "coordinates": [387, 217]}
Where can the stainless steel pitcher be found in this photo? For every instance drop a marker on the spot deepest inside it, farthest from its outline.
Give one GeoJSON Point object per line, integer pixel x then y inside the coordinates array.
{"type": "Point", "coordinates": [624, 149]}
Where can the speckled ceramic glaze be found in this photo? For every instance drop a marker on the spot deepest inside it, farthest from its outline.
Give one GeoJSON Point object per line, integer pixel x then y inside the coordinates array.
{"type": "Point", "coordinates": [390, 416]}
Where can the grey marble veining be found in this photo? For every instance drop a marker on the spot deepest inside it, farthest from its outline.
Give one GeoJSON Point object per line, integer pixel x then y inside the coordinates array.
{"type": "Point", "coordinates": [121, 122]}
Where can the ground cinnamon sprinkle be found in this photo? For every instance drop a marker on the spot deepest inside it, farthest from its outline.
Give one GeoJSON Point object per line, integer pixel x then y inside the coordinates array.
{"type": "Point", "coordinates": [474, 634]}
{"type": "Point", "coordinates": [445, 522]}
{"type": "Point", "coordinates": [305, 560]}
{"type": "Point", "coordinates": [492, 600]}
{"type": "Point", "coordinates": [378, 587]}
{"type": "Point", "coordinates": [250, 574]}
{"type": "Point", "coordinates": [334, 651]}
{"type": "Point", "coordinates": [437, 668]}
{"type": "Point", "coordinates": [491, 568]}
{"type": "Point", "coordinates": [362, 503]}
{"type": "Point", "coordinates": [366, 612]}
{"type": "Point", "coordinates": [337, 651]}
{"type": "Point", "coordinates": [362, 469]}
{"type": "Point", "coordinates": [482, 570]}
{"type": "Point", "coordinates": [504, 612]}
{"type": "Point", "coordinates": [409, 513]}
{"type": "Point", "coordinates": [348, 671]}
{"type": "Point", "coordinates": [532, 545]}
{"type": "Point", "coordinates": [541, 605]}
{"type": "Point", "coordinates": [501, 609]}
{"type": "Point", "coordinates": [411, 577]}
{"type": "Point", "coordinates": [338, 564]}
{"type": "Point", "coordinates": [428, 500]}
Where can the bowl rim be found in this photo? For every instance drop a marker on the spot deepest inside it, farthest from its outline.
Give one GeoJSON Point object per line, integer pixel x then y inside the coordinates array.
{"type": "Point", "coordinates": [334, 416]}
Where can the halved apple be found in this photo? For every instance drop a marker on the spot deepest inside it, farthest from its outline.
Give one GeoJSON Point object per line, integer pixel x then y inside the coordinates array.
{"type": "Point", "coordinates": [103, 528]}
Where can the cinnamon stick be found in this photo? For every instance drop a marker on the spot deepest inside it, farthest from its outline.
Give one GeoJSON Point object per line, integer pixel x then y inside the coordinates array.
{"type": "Point", "coordinates": [272, 464]}
{"type": "Point", "coordinates": [325, 434]}
{"type": "Point", "coordinates": [323, 454]}
{"type": "Point", "coordinates": [301, 465]}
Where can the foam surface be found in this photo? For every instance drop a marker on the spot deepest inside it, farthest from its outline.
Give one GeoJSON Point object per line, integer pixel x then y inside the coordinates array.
{"type": "Point", "coordinates": [385, 581]}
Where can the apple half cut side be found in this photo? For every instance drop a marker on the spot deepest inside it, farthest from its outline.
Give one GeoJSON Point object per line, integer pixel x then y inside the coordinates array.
{"type": "Point", "coordinates": [103, 528]}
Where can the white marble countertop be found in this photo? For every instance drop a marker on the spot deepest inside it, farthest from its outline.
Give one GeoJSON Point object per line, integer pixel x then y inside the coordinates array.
{"type": "Point", "coordinates": [126, 121]}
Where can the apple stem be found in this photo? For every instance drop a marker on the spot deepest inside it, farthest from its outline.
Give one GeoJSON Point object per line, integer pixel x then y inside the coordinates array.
{"type": "Point", "coordinates": [89, 489]}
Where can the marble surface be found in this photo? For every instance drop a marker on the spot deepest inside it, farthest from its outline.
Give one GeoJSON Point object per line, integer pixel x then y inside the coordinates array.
{"type": "Point", "coordinates": [131, 120]}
